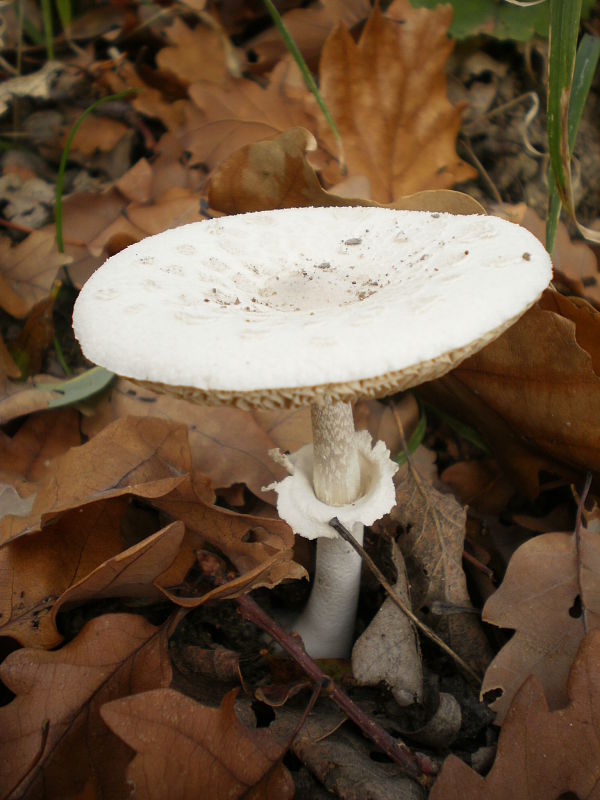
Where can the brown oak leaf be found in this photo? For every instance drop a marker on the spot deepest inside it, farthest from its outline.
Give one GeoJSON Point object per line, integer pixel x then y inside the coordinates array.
{"type": "Point", "coordinates": [52, 739]}
{"type": "Point", "coordinates": [534, 392]}
{"type": "Point", "coordinates": [147, 457]}
{"type": "Point", "coordinates": [542, 754]}
{"type": "Point", "coordinates": [27, 271]}
{"type": "Point", "coordinates": [387, 95]}
{"type": "Point", "coordinates": [186, 750]}
{"type": "Point", "coordinates": [550, 596]}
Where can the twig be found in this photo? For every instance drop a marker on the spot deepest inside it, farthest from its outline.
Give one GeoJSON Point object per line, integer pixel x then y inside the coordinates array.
{"type": "Point", "coordinates": [478, 565]}
{"type": "Point", "coordinates": [311, 704]}
{"type": "Point", "coordinates": [482, 170]}
{"type": "Point", "coordinates": [418, 767]}
{"type": "Point", "coordinates": [347, 536]}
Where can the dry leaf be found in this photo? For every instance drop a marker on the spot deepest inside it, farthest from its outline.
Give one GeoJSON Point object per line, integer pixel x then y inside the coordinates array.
{"type": "Point", "coordinates": [275, 174]}
{"type": "Point", "coordinates": [8, 368]}
{"type": "Point", "coordinates": [176, 206]}
{"type": "Point", "coordinates": [36, 336]}
{"type": "Point", "coordinates": [148, 101]}
{"type": "Point", "coordinates": [36, 570]}
{"type": "Point", "coordinates": [432, 547]}
{"type": "Point", "coordinates": [289, 428]}
{"type": "Point", "coordinates": [113, 656]}
{"type": "Point", "coordinates": [186, 750]}
{"type": "Point", "coordinates": [37, 85]}
{"type": "Point", "coordinates": [147, 457]}
{"type": "Point", "coordinates": [542, 383]}
{"type": "Point", "coordinates": [215, 663]}
{"type": "Point", "coordinates": [194, 54]}
{"type": "Point", "coordinates": [387, 95]}
{"type": "Point", "coordinates": [26, 397]}
{"type": "Point", "coordinates": [130, 573]}
{"type": "Point", "coordinates": [147, 199]}
{"type": "Point", "coordinates": [382, 420]}
{"type": "Point", "coordinates": [480, 484]}
{"type": "Point", "coordinates": [27, 457]}
{"type": "Point", "coordinates": [96, 134]}
{"type": "Point", "coordinates": [42, 573]}
{"type": "Point", "coordinates": [242, 112]}
{"type": "Point", "coordinates": [308, 27]}
{"type": "Point", "coordinates": [270, 174]}
{"type": "Point", "coordinates": [27, 271]}
{"type": "Point", "coordinates": [85, 216]}
{"type": "Point", "coordinates": [342, 759]}
{"type": "Point", "coordinates": [260, 548]}
{"type": "Point", "coordinates": [228, 445]}
{"type": "Point", "coordinates": [136, 184]}
{"type": "Point", "coordinates": [388, 650]}
{"type": "Point", "coordinates": [542, 754]}
{"type": "Point", "coordinates": [550, 596]}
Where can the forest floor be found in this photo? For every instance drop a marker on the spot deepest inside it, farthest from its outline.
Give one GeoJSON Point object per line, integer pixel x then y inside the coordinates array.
{"type": "Point", "coordinates": [134, 525]}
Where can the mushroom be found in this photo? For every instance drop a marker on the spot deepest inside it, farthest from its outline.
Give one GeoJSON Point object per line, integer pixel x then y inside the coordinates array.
{"type": "Point", "coordinates": [316, 306]}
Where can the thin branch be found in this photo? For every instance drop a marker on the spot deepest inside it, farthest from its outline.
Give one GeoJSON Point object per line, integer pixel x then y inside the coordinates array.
{"type": "Point", "coordinates": [414, 765]}
{"type": "Point", "coordinates": [482, 170]}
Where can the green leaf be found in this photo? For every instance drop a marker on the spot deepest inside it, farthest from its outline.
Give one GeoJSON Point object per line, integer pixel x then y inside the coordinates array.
{"type": "Point", "coordinates": [48, 28]}
{"type": "Point", "coordinates": [498, 18]}
{"type": "Point", "coordinates": [80, 388]}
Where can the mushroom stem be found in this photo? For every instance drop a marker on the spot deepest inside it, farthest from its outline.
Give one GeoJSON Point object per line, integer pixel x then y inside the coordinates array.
{"type": "Point", "coordinates": [327, 623]}
{"type": "Point", "coordinates": [336, 466]}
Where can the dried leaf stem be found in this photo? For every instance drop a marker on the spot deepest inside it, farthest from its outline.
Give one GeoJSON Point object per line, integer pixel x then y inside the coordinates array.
{"type": "Point", "coordinates": [347, 536]}
{"type": "Point", "coordinates": [418, 767]}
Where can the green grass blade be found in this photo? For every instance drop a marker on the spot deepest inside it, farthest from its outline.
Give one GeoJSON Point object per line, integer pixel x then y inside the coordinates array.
{"type": "Point", "coordinates": [564, 28]}
{"type": "Point", "coordinates": [415, 440]}
{"type": "Point", "coordinates": [48, 29]}
{"type": "Point", "coordinates": [553, 212]}
{"type": "Point", "coordinates": [32, 32]}
{"type": "Point", "coordinates": [586, 62]}
{"type": "Point", "coordinates": [308, 78]}
{"type": "Point", "coordinates": [64, 12]}
{"type": "Point", "coordinates": [63, 162]}
{"type": "Point", "coordinates": [462, 429]}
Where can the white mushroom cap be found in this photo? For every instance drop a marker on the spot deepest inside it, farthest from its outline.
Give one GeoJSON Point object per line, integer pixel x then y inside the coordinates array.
{"type": "Point", "coordinates": [281, 307]}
